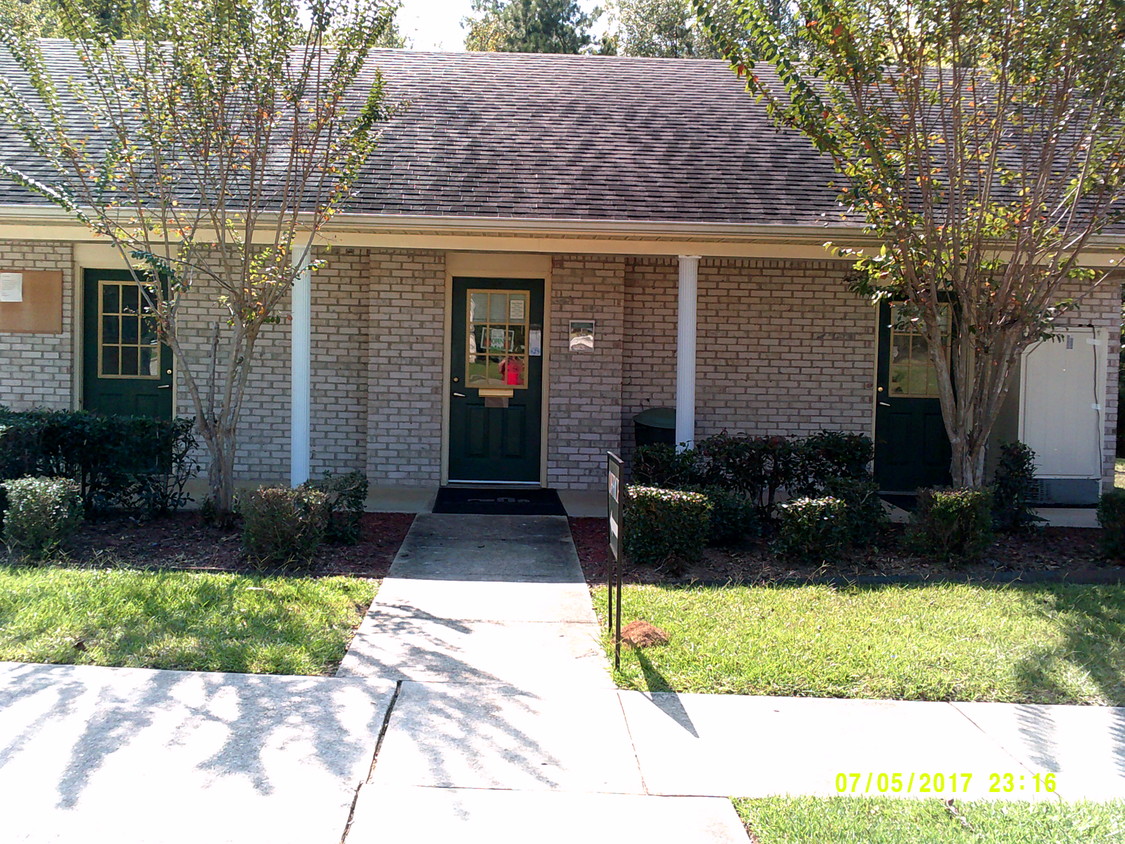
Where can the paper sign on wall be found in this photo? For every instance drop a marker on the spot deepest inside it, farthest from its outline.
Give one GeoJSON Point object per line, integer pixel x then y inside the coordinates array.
{"type": "Point", "coordinates": [11, 287]}
{"type": "Point", "coordinates": [535, 342]}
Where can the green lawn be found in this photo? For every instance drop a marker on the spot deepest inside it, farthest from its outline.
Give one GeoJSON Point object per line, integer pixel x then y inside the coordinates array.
{"type": "Point", "coordinates": [796, 820]}
{"type": "Point", "coordinates": [180, 620]}
{"type": "Point", "coordinates": [1046, 644]}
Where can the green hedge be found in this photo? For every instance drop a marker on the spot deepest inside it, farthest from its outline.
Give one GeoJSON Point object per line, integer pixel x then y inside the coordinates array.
{"type": "Point", "coordinates": [346, 496]}
{"type": "Point", "coordinates": [952, 524]}
{"type": "Point", "coordinates": [813, 528]}
{"type": "Point", "coordinates": [758, 466]}
{"type": "Point", "coordinates": [42, 514]}
{"type": "Point", "coordinates": [130, 462]}
{"type": "Point", "coordinates": [282, 526]}
{"type": "Point", "coordinates": [1111, 516]}
{"type": "Point", "coordinates": [665, 527]}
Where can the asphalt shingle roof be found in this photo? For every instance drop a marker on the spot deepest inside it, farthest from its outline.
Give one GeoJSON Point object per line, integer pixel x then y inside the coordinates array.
{"type": "Point", "coordinates": [567, 138]}
{"type": "Point", "coordinates": [587, 138]}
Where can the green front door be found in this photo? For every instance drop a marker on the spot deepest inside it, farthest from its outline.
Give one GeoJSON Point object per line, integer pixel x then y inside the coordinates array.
{"type": "Point", "coordinates": [496, 389]}
{"type": "Point", "coordinates": [126, 370]}
{"type": "Point", "coordinates": [911, 446]}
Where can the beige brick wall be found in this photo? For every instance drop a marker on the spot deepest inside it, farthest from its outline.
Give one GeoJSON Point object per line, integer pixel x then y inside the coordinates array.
{"type": "Point", "coordinates": [783, 347]}
{"type": "Point", "coordinates": [407, 353]}
{"type": "Point", "coordinates": [263, 430]}
{"type": "Point", "coordinates": [649, 355]}
{"type": "Point", "coordinates": [36, 370]}
{"type": "Point", "coordinates": [585, 386]}
{"type": "Point", "coordinates": [341, 320]}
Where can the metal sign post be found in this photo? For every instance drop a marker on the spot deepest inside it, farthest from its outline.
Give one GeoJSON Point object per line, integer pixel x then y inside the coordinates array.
{"type": "Point", "coordinates": [613, 567]}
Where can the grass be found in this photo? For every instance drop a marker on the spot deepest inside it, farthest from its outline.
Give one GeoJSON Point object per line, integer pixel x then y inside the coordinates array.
{"type": "Point", "coordinates": [898, 821]}
{"type": "Point", "coordinates": [179, 620]}
{"type": "Point", "coordinates": [1042, 644]}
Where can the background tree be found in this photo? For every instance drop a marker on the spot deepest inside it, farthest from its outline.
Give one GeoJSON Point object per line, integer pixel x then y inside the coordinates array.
{"type": "Point", "coordinates": [528, 26]}
{"type": "Point", "coordinates": [210, 160]}
{"type": "Point", "coordinates": [984, 145]}
{"type": "Point", "coordinates": [670, 28]}
{"type": "Point", "coordinates": [119, 18]}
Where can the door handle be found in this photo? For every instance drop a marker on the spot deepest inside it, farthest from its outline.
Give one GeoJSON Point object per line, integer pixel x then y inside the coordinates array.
{"type": "Point", "coordinates": [164, 387]}
{"type": "Point", "coordinates": [884, 404]}
{"type": "Point", "coordinates": [459, 395]}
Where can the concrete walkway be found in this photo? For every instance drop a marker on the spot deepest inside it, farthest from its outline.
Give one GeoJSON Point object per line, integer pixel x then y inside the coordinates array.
{"type": "Point", "coordinates": [506, 726]}
{"type": "Point", "coordinates": [498, 601]}
{"type": "Point", "coordinates": [475, 705]}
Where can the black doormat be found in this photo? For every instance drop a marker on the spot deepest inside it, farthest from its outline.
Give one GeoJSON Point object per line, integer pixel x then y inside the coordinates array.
{"type": "Point", "coordinates": [499, 502]}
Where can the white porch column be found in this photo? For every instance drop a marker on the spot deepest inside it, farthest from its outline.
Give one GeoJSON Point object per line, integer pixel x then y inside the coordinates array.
{"type": "Point", "coordinates": [301, 371]}
{"type": "Point", "coordinates": [685, 351]}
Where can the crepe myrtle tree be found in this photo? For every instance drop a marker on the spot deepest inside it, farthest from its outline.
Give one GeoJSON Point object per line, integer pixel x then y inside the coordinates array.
{"type": "Point", "coordinates": [209, 150]}
{"type": "Point", "coordinates": [982, 142]}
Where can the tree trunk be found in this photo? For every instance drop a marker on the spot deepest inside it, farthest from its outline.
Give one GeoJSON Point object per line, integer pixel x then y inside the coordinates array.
{"type": "Point", "coordinates": [967, 463]}
{"type": "Point", "coordinates": [220, 475]}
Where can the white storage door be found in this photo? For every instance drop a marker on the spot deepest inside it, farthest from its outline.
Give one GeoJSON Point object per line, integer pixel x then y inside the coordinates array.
{"type": "Point", "coordinates": [1062, 393]}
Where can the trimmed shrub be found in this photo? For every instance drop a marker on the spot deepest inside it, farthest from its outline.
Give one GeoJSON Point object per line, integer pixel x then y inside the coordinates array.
{"type": "Point", "coordinates": [1111, 516]}
{"type": "Point", "coordinates": [282, 526]}
{"type": "Point", "coordinates": [42, 513]}
{"type": "Point", "coordinates": [132, 462]}
{"type": "Point", "coordinates": [346, 496]}
{"type": "Point", "coordinates": [952, 524]}
{"type": "Point", "coordinates": [665, 527]}
{"type": "Point", "coordinates": [866, 514]}
{"type": "Point", "coordinates": [1013, 488]}
{"type": "Point", "coordinates": [734, 515]}
{"type": "Point", "coordinates": [826, 456]}
{"type": "Point", "coordinates": [813, 528]}
{"type": "Point", "coordinates": [758, 467]}
{"type": "Point", "coordinates": [660, 465]}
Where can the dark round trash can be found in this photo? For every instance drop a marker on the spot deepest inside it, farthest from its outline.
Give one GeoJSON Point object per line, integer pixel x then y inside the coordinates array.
{"type": "Point", "coordinates": [655, 425]}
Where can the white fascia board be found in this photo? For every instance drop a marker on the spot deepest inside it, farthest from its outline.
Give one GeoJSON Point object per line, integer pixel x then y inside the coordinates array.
{"type": "Point", "coordinates": [506, 234]}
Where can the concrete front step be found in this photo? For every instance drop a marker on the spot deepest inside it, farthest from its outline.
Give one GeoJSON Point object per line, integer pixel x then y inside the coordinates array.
{"type": "Point", "coordinates": [518, 817]}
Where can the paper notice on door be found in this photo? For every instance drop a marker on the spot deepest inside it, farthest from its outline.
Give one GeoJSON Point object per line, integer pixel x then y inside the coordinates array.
{"type": "Point", "coordinates": [517, 309]}
{"type": "Point", "coordinates": [11, 287]}
{"type": "Point", "coordinates": [535, 342]}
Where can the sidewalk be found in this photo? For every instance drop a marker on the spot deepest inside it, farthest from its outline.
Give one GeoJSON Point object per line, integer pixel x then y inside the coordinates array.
{"type": "Point", "coordinates": [476, 705]}
{"type": "Point", "coordinates": [506, 727]}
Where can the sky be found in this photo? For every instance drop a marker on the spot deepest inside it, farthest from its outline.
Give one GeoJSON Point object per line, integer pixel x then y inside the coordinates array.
{"type": "Point", "coordinates": [436, 24]}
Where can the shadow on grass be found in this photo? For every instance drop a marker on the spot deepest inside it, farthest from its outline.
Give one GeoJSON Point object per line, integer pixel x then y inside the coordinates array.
{"type": "Point", "coordinates": [1091, 621]}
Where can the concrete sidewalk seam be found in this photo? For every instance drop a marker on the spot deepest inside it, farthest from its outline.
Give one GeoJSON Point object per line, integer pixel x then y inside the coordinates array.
{"type": "Point", "coordinates": [985, 734]}
{"type": "Point", "coordinates": [383, 729]}
{"type": "Point", "coordinates": [632, 741]}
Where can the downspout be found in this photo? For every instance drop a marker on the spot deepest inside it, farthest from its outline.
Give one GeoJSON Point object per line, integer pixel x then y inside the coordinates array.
{"type": "Point", "coordinates": [685, 351]}
{"type": "Point", "coordinates": [300, 425]}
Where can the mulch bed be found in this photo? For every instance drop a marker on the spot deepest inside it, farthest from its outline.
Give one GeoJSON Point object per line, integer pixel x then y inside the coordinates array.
{"type": "Point", "coordinates": [182, 542]}
{"type": "Point", "coordinates": [1046, 554]}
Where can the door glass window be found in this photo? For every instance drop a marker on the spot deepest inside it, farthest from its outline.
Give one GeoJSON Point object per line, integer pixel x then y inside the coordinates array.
{"type": "Point", "coordinates": [912, 373]}
{"type": "Point", "coordinates": [127, 343]}
{"type": "Point", "coordinates": [497, 338]}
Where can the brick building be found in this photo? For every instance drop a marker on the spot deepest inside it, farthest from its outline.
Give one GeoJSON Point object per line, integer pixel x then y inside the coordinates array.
{"type": "Point", "coordinates": [516, 201]}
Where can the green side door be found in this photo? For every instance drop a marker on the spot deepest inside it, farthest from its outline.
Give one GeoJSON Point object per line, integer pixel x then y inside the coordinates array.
{"type": "Point", "coordinates": [126, 371]}
{"type": "Point", "coordinates": [911, 446]}
{"type": "Point", "coordinates": [496, 375]}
